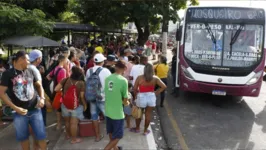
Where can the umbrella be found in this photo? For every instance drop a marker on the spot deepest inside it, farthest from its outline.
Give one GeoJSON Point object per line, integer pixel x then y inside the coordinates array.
{"type": "Point", "coordinates": [31, 41]}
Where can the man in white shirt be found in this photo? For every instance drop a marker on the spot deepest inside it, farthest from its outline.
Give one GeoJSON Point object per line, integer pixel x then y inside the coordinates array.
{"type": "Point", "coordinates": [138, 69]}
{"type": "Point", "coordinates": [98, 106]}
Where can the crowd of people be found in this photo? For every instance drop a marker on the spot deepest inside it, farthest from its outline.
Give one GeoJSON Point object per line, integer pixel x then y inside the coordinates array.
{"type": "Point", "coordinates": [107, 81]}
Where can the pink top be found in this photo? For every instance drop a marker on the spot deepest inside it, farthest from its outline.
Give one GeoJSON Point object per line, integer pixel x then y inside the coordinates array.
{"type": "Point", "coordinates": [61, 74]}
{"type": "Point", "coordinates": [128, 70]}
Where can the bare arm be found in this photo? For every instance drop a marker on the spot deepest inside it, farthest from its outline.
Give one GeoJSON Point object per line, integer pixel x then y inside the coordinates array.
{"type": "Point", "coordinates": [136, 86]}
{"type": "Point", "coordinates": [82, 96]}
{"type": "Point", "coordinates": [58, 87]}
{"type": "Point", "coordinates": [161, 85]}
{"type": "Point", "coordinates": [39, 88]}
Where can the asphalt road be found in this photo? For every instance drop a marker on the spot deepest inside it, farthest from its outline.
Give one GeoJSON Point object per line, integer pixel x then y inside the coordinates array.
{"type": "Point", "coordinates": [201, 121]}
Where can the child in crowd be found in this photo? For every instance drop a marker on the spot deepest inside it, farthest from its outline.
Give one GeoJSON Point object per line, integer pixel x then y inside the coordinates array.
{"type": "Point", "coordinates": [128, 109]}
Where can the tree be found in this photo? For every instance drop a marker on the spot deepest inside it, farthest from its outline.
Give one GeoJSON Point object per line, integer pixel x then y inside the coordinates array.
{"type": "Point", "coordinates": [144, 13]}
{"type": "Point", "coordinates": [52, 8]}
{"type": "Point", "coordinates": [15, 20]}
{"type": "Point", "coordinates": [168, 9]}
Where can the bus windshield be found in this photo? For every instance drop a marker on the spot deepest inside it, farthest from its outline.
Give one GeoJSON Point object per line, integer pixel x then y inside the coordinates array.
{"type": "Point", "coordinates": [211, 44]}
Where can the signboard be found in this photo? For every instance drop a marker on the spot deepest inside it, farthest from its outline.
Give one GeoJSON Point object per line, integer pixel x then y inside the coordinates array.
{"type": "Point", "coordinates": [219, 13]}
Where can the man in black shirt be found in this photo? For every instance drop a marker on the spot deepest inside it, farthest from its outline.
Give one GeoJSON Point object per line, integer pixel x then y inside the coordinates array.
{"type": "Point", "coordinates": [173, 71]}
{"type": "Point", "coordinates": [110, 64]}
{"type": "Point", "coordinates": [18, 90]}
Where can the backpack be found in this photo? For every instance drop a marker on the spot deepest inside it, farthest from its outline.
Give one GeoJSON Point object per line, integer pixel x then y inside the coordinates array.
{"type": "Point", "coordinates": [52, 84]}
{"type": "Point", "coordinates": [93, 86]}
{"type": "Point", "coordinates": [71, 98]}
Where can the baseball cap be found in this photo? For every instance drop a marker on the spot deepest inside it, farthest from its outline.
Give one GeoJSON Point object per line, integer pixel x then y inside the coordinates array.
{"type": "Point", "coordinates": [34, 54]}
{"type": "Point", "coordinates": [99, 58]}
{"type": "Point", "coordinates": [127, 50]}
{"type": "Point", "coordinates": [111, 58]}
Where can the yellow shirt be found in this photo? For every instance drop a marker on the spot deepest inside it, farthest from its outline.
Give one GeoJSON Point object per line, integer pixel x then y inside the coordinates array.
{"type": "Point", "coordinates": [99, 49]}
{"type": "Point", "coordinates": [161, 70]}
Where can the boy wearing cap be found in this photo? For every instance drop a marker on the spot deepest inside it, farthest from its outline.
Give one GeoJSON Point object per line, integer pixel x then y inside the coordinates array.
{"type": "Point", "coordinates": [98, 106]}
{"type": "Point", "coordinates": [19, 89]}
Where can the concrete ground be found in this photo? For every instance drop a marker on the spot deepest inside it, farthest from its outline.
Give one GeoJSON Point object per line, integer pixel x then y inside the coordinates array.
{"type": "Point", "coordinates": [200, 121]}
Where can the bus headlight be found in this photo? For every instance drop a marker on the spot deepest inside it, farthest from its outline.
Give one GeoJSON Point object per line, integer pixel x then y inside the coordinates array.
{"type": "Point", "coordinates": [186, 73]}
{"type": "Point", "coordinates": [255, 78]}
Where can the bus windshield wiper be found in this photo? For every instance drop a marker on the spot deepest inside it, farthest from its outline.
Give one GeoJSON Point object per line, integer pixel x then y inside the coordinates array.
{"type": "Point", "coordinates": [234, 38]}
{"type": "Point", "coordinates": [211, 33]}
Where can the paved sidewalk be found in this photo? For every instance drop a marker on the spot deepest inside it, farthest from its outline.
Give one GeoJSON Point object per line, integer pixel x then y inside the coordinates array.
{"type": "Point", "coordinates": [131, 141]}
{"type": "Point", "coordinates": [57, 139]}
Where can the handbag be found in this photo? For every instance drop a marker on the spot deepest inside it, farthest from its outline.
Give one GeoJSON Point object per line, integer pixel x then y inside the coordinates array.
{"type": "Point", "coordinates": [136, 112]}
{"type": "Point", "coordinates": [57, 100]}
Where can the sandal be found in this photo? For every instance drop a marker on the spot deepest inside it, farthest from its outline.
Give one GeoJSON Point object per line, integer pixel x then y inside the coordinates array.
{"type": "Point", "coordinates": [76, 141]}
{"type": "Point", "coordinates": [134, 130]}
{"type": "Point", "coordinates": [101, 137]}
{"type": "Point", "coordinates": [147, 133]}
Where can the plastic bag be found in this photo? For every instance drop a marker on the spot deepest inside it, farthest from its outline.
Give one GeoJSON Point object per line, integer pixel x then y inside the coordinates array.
{"type": "Point", "coordinates": [136, 112]}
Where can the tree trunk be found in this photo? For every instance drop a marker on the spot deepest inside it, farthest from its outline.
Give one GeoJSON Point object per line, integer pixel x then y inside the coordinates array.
{"type": "Point", "coordinates": [142, 35]}
{"type": "Point", "coordinates": [164, 31]}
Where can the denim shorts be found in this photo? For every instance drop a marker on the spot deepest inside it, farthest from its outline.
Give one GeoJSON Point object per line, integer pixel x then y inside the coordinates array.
{"type": "Point", "coordinates": [35, 120]}
{"type": "Point", "coordinates": [76, 113]}
{"type": "Point", "coordinates": [95, 108]}
{"type": "Point", "coordinates": [147, 99]}
{"type": "Point", "coordinates": [115, 127]}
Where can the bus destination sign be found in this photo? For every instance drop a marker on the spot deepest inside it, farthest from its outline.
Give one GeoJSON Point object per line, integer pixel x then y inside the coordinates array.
{"type": "Point", "coordinates": [217, 13]}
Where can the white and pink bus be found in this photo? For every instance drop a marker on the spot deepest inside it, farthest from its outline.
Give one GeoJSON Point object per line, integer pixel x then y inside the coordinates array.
{"type": "Point", "coordinates": [221, 50]}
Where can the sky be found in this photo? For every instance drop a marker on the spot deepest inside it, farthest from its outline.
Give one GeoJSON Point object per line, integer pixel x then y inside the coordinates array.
{"type": "Point", "coordinates": [251, 3]}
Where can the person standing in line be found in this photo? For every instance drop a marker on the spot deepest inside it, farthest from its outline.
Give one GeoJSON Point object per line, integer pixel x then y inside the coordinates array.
{"type": "Point", "coordinates": [116, 92]}
{"type": "Point", "coordinates": [97, 106]}
{"type": "Point", "coordinates": [110, 63]}
{"type": "Point", "coordinates": [146, 96]}
{"type": "Point", "coordinates": [17, 91]}
{"type": "Point", "coordinates": [161, 71]}
{"type": "Point", "coordinates": [154, 46]}
{"type": "Point", "coordinates": [35, 60]}
{"type": "Point", "coordinates": [138, 69]}
{"type": "Point", "coordinates": [66, 52]}
{"type": "Point", "coordinates": [173, 71]}
{"type": "Point", "coordinates": [60, 74]}
{"type": "Point", "coordinates": [73, 102]}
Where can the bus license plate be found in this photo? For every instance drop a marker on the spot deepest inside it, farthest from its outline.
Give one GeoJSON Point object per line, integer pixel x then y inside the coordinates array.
{"type": "Point", "coordinates": [216, 92]}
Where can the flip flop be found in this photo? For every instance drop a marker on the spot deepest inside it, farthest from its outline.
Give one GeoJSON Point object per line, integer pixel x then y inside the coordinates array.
{"type": "Point", "coordinates": [147, 132]}
{"type": "Point", "coordinates": [134, 130]}
{"type": "Point", "coordinates": [101, 137]}
{"type": "Point", "coordinates": [76, 141]}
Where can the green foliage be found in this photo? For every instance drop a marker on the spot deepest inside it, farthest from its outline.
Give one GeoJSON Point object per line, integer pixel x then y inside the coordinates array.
{"type": "Point", "coordinates": [52, 8]}
{"type": "Point", "coordinates": [146, 14]}
{"type": "Point", "coordinates": [15, 20]}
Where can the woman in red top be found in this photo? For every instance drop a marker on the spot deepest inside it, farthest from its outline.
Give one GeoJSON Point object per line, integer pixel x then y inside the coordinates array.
{"type": "Point", "coordinates": [146, 96]}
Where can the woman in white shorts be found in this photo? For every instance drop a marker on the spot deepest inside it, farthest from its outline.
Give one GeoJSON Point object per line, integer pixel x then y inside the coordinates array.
{"type": "Point", "coordinates": [146, 96]}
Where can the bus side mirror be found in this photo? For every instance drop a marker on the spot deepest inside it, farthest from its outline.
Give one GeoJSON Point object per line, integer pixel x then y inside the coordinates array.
{"type": "Point", "coordinates": [179, 33]}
